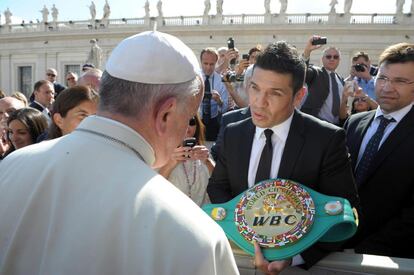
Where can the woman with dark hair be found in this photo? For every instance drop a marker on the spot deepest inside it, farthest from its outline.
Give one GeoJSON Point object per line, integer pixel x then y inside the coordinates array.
{"type": "Point", "coordinates": [70, 108]}
{"type": "Point", "coordinates": [24, 127]}
{"type": "Point", "coordinates": [360, 104]}
{"type": "Point", "coordinates": [190, 166]}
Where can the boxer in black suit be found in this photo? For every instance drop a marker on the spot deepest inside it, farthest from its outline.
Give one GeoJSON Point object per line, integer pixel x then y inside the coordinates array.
{"type": "Point", "coordinates": [303, 148]}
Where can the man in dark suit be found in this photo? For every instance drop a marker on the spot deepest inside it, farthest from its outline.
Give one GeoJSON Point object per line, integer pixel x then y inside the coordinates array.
{"type": "Point", "coordinates": [43, 97]}
{"type": "Point", "coordinates": [381, 144]}
{"type": "Point", "coordinates": [324, 84]}
{"type": "Point", "coordinates": [302, 148]}
{"type": "Point", "coordinates": [226, 119]}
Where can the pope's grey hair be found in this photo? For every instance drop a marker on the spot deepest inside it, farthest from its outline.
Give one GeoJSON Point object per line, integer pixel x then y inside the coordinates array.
{"type": "Point", "coordinates": [130, 98]}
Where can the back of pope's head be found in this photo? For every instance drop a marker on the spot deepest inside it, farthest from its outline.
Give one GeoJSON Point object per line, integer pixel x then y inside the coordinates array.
{"type": "Point", "coordinates": [146, 68]}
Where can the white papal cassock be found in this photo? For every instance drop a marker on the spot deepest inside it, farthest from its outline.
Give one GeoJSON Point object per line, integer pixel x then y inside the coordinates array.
{"type": "Point", "coordinates": [86, 204]}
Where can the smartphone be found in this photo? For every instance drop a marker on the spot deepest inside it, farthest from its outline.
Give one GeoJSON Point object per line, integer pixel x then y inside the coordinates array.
{"type": "Point", "coordinates": [230, 43]}
{"type": "Point", "coordinates": [319, 41]}
{"type": "Point", "coordinates": [245, 56]}
{"type": "Point", "coordinates": [189, 142]}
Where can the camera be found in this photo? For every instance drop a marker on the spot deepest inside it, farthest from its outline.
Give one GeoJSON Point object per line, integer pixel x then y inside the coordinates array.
{"type": "Point", "coordinates": [190, 142]}
{"type": "Point", "coordinates": [245, 56]}
{"type": "Point", "coordinates": [230, 76]}
{"type": "Point", "coordinates": [319, 41]}
{"type": "Point", "coordinates": [359, 67]}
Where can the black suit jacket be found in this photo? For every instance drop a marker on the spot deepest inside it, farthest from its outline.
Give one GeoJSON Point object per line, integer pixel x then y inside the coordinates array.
{"type": "Point", "coordinates": [37, 106]}
{"type": "Point", "coordinates": [317, 80]}
{"type": "Point", "coordinates": [226, 119]}
{"type": "Point", "coordinates": [387, 195]}
{"type": "Point", "coordinates": [314, 155]}
{"type": "Point", "coordinates": [58, 88]}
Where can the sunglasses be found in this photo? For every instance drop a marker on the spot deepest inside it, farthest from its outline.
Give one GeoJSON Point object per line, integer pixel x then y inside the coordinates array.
{"type": "Point", "coordinates": [362, 99]}
{"type": "Point", "coordinates": [192, 122]}
{"type": "Point", "coordinates": [336, 57]}
{"type": "Point", "coordinates": [48, 74]}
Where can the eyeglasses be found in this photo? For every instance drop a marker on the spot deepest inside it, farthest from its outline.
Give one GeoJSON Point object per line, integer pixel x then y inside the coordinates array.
{"type": "Point", "coordinates": [192, 121]}
{"type": "Point", "coordinates": [396, 82]}
{"type": "Point", "coordinates": [70, 78]}
{"type": "Point", "coordinates": [49, 74]}
{"type": "Point", "coordinates": [336, 57]}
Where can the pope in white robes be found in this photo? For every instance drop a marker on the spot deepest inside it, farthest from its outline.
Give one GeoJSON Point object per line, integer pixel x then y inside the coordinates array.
{"type": "Point", "coordinates": [90, 203]}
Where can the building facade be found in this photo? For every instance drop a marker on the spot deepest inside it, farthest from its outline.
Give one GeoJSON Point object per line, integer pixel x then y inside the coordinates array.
{"type": "Point", "coordinates": [27, 50]}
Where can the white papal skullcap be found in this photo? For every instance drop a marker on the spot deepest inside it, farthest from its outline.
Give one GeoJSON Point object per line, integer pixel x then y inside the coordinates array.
{"type": "Point", "coordinates": [153, 57]}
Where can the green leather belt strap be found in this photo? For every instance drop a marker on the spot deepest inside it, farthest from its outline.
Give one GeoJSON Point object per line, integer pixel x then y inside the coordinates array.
{"type": "Point", "coordinates": [284, 217]}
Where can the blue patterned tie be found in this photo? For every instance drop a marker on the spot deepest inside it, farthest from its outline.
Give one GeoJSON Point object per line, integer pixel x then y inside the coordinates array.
{"type": "Point", "coordinates": [371, 150]}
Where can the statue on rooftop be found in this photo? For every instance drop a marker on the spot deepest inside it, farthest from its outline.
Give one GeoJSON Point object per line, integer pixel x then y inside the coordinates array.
{"type": "Point", "coordinates": [147, 9]}
{"type": "Point", "coordinates": [95, 54]}
{"type": "Point", "coordinates": [7, 16]}
{"type": "Point", "coordinates": [219, 7]}
{"type": "Point", "coordinates": [267, 6]}
{"type": "Point", "coordinates": [283, 6]}
{"type": "Point", "coordinates": [333, 4]}
{"type": "Point", "coordinates": [106, 10]}
{"type": "Point", "coordinates": [92, 10]}
{"type": "Point", "coordinates": [399, 6]}
{"type": "Point", "coordinates": [159, 8]}
{"type": "Point", "coordinates": [347, 6]}
{"type": "Point", "coordinates": [207, 7]}
{"type": "Point", "coordinates": [55, 13]}
{"type": "Point", "coordinates": [45, 14]}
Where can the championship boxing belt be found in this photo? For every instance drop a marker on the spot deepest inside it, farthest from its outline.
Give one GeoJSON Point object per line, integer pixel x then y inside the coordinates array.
{"type": "Point", "coordinates": [284, 218]}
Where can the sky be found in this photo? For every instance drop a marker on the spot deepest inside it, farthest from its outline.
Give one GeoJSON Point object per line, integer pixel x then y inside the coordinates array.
{"type": "Point", "coordinates": [79, 9]}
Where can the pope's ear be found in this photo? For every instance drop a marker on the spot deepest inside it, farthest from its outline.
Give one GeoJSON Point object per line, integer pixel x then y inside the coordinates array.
{"type": "Point", "coordinates": [163, 114]}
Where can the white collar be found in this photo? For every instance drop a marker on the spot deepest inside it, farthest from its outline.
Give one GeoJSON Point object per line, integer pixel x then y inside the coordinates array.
{"type": "Point", "coordinates": [397, 115]}
{"type": "Point", "coordinates": [281, 130]}
{"type": "Point", "coordinates": [121, 132]}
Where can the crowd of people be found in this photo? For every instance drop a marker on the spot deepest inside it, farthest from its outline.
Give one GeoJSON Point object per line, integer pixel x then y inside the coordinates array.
{"type": "Point", "coordinates": [51, 111]}
{"type": "Point", "coordinates": [163, 143]}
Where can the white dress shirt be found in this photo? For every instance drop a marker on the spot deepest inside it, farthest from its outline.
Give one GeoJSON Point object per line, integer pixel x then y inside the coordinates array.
{"type": "Point", "coordinates": [326, 110]}
{"type": "Point", "coordinates": [280, 133]}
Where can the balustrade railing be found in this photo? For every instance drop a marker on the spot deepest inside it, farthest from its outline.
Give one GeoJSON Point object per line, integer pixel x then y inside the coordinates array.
{"type": "Point", "coordinates": [243, 19]}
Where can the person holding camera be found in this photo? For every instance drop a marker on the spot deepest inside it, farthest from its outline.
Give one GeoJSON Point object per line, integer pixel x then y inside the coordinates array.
{"type": "Point", "coordinates": [324, 84]}
{"type": "Point", "coordinates": [190, 167]}
{"type": "Point", "coordinates": [215, 100]}
{"type": "Point", "coordinates": [361, 72]}
{"type": "Point", "coordinates": [224, 56]}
